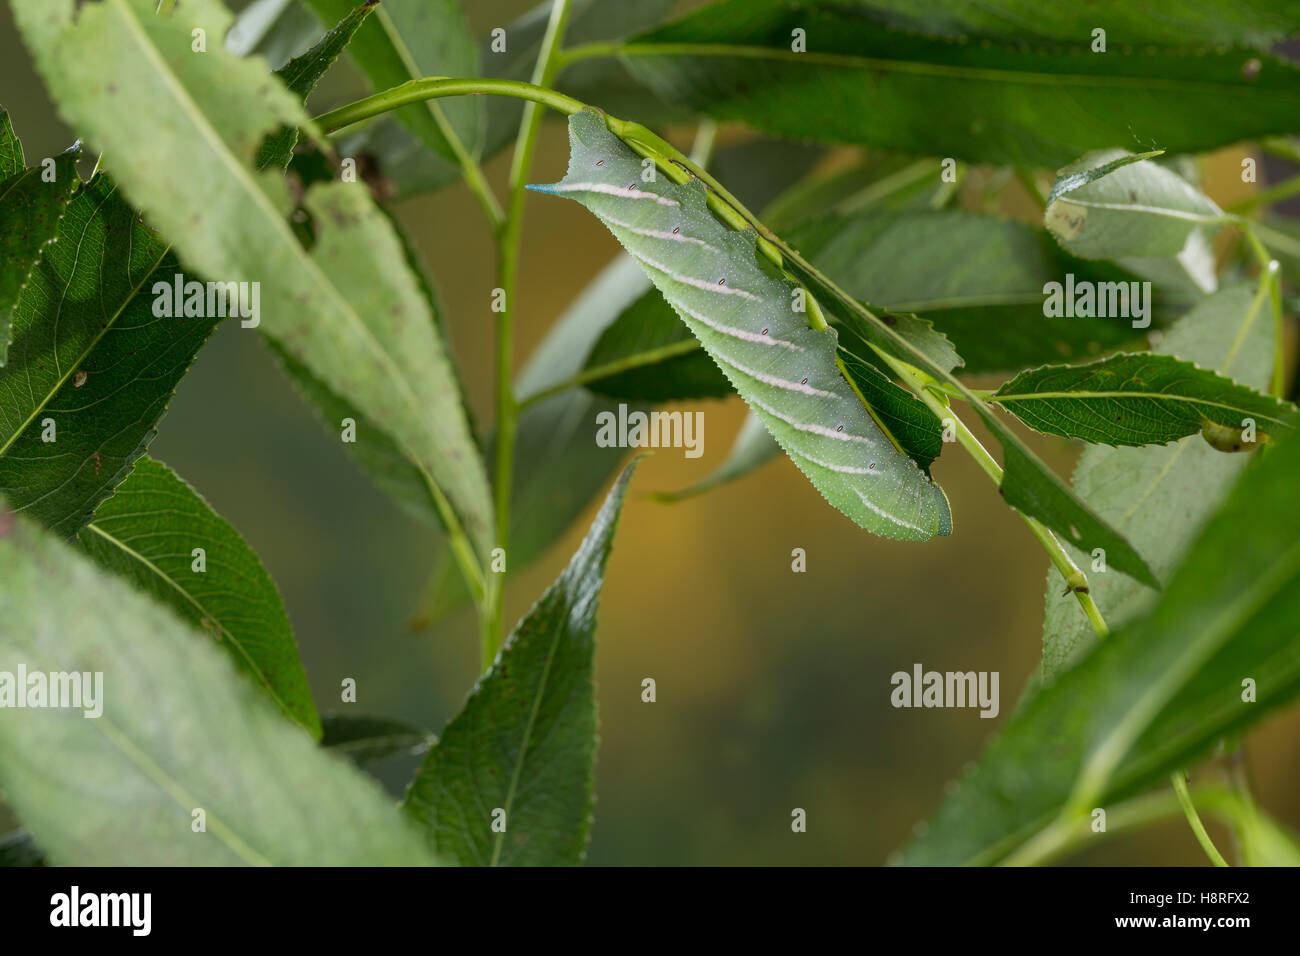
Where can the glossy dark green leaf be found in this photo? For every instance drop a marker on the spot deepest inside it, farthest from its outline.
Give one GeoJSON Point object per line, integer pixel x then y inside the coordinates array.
{"type": "Point", "coordinates": [180, 730]}
{"type": "Point", "coordinates": [1160, 497]}
{"type": "Point", "coordinates": [522, 752]}
{"type": "Point", "coordinates": [1111, 204]}
{"type": "Point", "coordinates": [1154, 696]}
{"type": "Point", "coordinates": [900, 413]}
{"type": "Point", "coordinates": [1140, 399]}
{"type": "Point", "coordinates": [753, 325]}
{"type": "Point", "coordinates": [366, 739]}
{"type": "Point", "coordinates": [30, 210]}
{"type": "Point", "coordinates": [148, 532]}
{"type": "Point", "coordinates": [1000, 101]}
{"type": "Point", "coordinates": [301, 74]}
{"type": "Point", "coordinates": [91, 366]}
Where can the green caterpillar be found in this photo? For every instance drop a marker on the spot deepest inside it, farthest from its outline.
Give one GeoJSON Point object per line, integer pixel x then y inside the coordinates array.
{"type": "Point", "coordinates": [748, 320]}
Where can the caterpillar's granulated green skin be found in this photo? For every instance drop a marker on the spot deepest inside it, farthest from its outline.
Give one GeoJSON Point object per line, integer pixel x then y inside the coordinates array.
{"type": "Point", "coordinates": [746, 319]}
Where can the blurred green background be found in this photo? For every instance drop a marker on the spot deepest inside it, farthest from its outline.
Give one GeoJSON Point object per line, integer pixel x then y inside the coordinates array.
{"type": "Point", "coordinates": [773, 687]}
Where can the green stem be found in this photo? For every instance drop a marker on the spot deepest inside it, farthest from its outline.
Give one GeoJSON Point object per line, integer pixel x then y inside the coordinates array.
{"type": "Point", "coordinates": [508, 242]}
{"type": "Point", "coordinates": [1189, 810]}
{"type": "Point", "coordinates": [597, 372]}
{"type": "Point", "coordinates": [1076, 581]}
{"type": "Point", "coordinates": [437, 87]}
{"type": "Point", "coordinates": [1270, 274]}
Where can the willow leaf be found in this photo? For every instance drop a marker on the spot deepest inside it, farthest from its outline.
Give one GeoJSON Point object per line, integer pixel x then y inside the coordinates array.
{"type": "Point", "coordinates": [524, 745]}
{"type": "Point", "coordinates": [301, 74]}
{"type": "Point", "coordinates": [747, 320]}
{"type": "Point", "coordinates": [1160, 497]}
{"type": "Point", "coordinates": [1111, 204]}
{"type": "Point", "coordinates": [408, 39]}
{"type": "Point", "coordinates": [180, 730]}
{"type": "Point", "coordinates": [1187, 23]}
{"type": "Point", "coordinates": [148, 531]}
{"type": "Point", "coordinates": [1001, 100]}
{"type": "Point", "coordinates": [30, 210]}
{"type": "Point", "coordinates": [1140, 399]}
{"type": "Point", "coordinates": [92, 368]}
{"type": "Point", "coordinates": [1152, 697]}
{"type": "Point", "coordinates": [349, 309]}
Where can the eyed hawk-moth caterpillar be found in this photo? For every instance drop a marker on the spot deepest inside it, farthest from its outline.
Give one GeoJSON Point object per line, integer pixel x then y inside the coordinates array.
{"type": "Point", "coordinates": [742, 313]}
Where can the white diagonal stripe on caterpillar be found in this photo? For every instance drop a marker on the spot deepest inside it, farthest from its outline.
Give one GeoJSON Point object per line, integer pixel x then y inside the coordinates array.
{"type": "Point", "coordinates": [842, 469]}
{"type": "Point", "coordinates": [742, 334]}
{"type": "Point", "coordinates": [783, 383]}
{"type": "Point", "coordinates": [697, 283]}
{"type": "Point", "coordinates": [656, 233]}
{"type": "Point", "coordinates": [627, 192]}
{"type": "Point", "coordinates": [813, 429]}
{"type": "Point", "coordinates": [885, 514]}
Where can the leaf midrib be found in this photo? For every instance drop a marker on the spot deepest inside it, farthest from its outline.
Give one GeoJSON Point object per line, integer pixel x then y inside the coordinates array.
{"type": "Point", "coordinates": [1140, 396]}
{"type": "Point", "coordinates": [1157, 211]}
{"type": "Point", "coordinates": [923, 68]}
{"type": "Point", "coordinates": [62, 378]}
{"type": "Point", "coordinates": [499, 838]}
{"type": "Point", "coordinates": [203, 611]}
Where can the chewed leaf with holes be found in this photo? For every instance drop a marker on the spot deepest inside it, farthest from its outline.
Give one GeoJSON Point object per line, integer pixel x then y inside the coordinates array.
{"type": "Point", "coordinates": [745, 316]}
